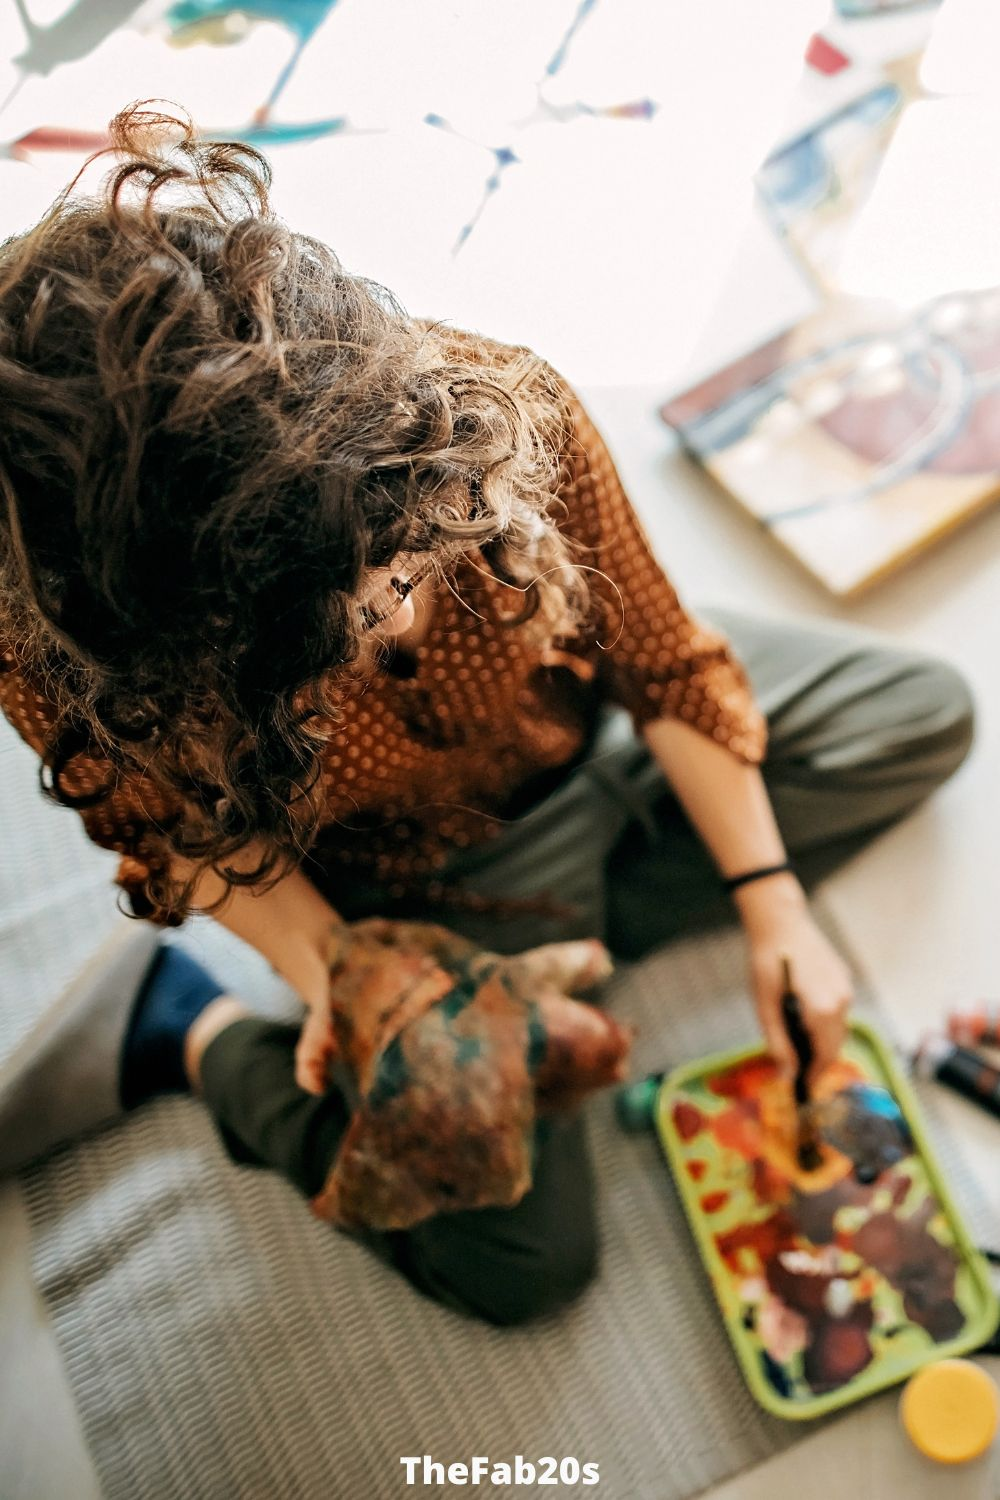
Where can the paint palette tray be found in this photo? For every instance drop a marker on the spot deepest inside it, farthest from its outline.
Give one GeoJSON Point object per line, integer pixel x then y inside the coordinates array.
{"type": "Point", "coordinates": [836, 1282]}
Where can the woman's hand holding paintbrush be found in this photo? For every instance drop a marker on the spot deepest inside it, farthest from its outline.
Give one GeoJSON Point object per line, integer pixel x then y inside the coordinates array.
{"type": "Point", "coordinates": [727, 802]}
{"type": "Point", "coordinates": [780, 926]}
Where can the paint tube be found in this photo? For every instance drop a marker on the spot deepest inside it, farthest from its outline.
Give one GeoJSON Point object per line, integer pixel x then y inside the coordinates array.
{"type": "Point", "coordinates": [959, 1069]}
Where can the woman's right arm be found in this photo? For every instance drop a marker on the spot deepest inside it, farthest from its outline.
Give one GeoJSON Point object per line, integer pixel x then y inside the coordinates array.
{"type": "Point", "coordinates": [290, 924]}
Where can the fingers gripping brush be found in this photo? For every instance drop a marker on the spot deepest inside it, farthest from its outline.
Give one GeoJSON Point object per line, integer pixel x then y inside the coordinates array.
{"type": "Point", "coordinates": [808, 1152]}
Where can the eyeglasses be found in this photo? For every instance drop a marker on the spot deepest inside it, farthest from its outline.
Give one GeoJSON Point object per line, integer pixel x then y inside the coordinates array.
{"type": "Point", "coordinates": [399, 587]}
{"type": "Point", "coordinates": [395, 593]}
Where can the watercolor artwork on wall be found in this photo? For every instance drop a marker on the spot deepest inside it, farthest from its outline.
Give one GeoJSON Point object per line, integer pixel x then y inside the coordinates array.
{"type": "Point", "coordinates": [815, 185]}
{"type": "Point", "coordinates": [838, 1280]}
{"type": "Point", "coordinates": [262, 45]}
{"type": "Point", "coordinates": [858, 9]}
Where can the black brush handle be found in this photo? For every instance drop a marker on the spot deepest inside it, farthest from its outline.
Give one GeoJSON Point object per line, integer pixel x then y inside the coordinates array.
{"type": "Point", "coordinates": [798, 1035]}
{"type": "Point", "coordinates": [809, 1152]}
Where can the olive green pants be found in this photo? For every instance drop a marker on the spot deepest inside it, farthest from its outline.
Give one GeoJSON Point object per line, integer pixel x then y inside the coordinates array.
{"type": "Point", "coordinates": [860, 732]}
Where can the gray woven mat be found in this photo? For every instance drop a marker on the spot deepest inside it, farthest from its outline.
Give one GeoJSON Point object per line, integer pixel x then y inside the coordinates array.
{"type": "Point", "coordinates": [222, 1344]}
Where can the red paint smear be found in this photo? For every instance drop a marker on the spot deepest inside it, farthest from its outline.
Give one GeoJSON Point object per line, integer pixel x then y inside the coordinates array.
{"type": "Point", "coordinates": [738, 1129]}
{"type": "Point", "coordinates": [697, 1169]}
{"type": "Point", "coordinates": [712, 1202]}
{"type": "Point", "coordinates": [744, 1081]}
{"type": "Point", "coordinates": [769, 1185]}
{"type": "Point", "coordinates": [687, 1120]}
{"type": "Point", "coordinates": [825, 57]}
{"type": "Point", "coordinates": [767, 1239]}
{"type": "Point", "coordinates": [54, 138]}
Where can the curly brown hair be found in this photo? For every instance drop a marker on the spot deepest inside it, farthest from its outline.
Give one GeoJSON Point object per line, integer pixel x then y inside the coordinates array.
{"type": "Point", "coordinates": [211, 435]}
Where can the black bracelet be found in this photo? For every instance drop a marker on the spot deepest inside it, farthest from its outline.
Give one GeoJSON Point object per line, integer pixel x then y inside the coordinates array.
{"type": "Point", "coordinates": [735, 881]}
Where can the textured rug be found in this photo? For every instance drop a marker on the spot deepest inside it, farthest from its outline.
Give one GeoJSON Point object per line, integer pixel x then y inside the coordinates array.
{"type": "Point", "coordinates": [222, 1344]}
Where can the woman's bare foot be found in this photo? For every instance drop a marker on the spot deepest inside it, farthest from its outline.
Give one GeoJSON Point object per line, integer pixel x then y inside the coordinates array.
{"type": "Point", "coordinates": [217, 1015]}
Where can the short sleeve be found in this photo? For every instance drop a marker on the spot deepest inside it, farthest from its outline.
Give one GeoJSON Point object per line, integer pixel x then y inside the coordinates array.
{"type": "Point", "coordinates": [121, 811]}
{"type": "Point", "coordinates": [655, 658]}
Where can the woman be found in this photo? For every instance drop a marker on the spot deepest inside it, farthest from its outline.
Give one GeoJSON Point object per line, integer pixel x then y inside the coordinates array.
{"type": "Point", "coordinates": [314, 612]}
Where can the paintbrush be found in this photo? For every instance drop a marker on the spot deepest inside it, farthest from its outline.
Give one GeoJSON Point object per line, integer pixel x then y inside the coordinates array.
{"type": "Point", "coordinates": [808, 1151]}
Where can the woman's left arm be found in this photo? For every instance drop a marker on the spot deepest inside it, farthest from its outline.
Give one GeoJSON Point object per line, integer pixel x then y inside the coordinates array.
{"type": "Point", "coordinates": [727, 802]}
{"type": "Point", "coordinates": [692, 700]}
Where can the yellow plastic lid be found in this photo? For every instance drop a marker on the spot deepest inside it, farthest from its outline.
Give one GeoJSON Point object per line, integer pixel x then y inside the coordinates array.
{"type": "Point", "coordinates": [950, 1410]}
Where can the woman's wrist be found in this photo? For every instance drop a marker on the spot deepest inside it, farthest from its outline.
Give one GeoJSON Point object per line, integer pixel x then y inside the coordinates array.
{"type": "Point", "coordinates": [761, 903]}
{"type": "Point", "coordinates": [733, 883]}
{"type": "Point", "coordinates": [305, 964]}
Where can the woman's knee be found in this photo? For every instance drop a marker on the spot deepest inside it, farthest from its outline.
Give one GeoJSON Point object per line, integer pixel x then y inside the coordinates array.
{"type": "Point", "coordinates": [559, 1274]}
{"type": "Point", "coordinates": [516, 1288]}
{"type": "Point", "coordinates": [939, 725]}
{"type": "Point", "coordinates": [510, 1266]}
{"type": "Point", "coordinates": [905, 724]}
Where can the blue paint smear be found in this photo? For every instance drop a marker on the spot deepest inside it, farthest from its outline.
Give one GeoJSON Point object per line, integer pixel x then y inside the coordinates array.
{"type": "Point", "coordinates": [776, 1374]}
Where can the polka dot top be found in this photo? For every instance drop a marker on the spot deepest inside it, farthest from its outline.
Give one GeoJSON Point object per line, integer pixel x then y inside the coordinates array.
{"type": "Point", "coordinates": [431, 760]}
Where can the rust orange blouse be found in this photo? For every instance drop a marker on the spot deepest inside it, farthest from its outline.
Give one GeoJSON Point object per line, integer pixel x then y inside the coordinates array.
{"type": "Point", "coordinates": [423, 765]}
